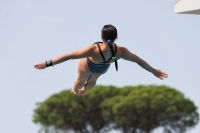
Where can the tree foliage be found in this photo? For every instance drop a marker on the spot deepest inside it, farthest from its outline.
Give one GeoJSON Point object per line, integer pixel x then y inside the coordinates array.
{"type": "Point", "coordinates": [62, 111]}
{"type": "Point", "coordinates": [129, 109]}
{"type": "Point", "coordinates": [148, 107]}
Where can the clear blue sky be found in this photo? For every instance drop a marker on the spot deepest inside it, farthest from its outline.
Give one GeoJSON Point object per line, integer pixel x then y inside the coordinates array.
{"type": "Point", "coordinates": [32, 31]}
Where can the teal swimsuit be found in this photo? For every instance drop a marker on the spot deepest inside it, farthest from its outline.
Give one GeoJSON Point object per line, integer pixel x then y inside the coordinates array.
{"type": "Point", "coordinates": [99, 68]}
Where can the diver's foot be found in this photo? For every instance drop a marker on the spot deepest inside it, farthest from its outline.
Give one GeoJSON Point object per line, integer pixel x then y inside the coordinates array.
{"type": "Point", "coordinates": [81, 91]}
{"type": "Point", "coordinates": [74, 91]}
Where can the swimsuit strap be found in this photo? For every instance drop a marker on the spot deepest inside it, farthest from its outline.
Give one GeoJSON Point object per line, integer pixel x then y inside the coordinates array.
{"type": "Point", "coordinates": [100, 51]}
{"type": "Point", "coordinates": [104, 61]}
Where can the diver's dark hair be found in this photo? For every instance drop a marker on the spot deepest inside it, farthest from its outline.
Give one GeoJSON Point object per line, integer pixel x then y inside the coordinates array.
{"type": "Point", "coordinates": [109, 34]}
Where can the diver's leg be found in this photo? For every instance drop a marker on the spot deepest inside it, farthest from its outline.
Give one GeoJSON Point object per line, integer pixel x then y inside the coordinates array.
{"type": "Point", "coordinates": [79, 83]}
{"type": "Point", "coordinates": [83, 75]}
{"type": "Point", "coordinates": [90, 83]}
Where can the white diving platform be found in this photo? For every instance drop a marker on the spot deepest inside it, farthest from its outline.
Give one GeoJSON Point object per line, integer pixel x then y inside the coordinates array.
{"type": "Point", "coordinates": [187, 7]}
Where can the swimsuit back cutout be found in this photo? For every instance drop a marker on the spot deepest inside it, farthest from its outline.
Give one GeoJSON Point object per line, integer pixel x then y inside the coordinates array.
{"type": "Point", "coordinates": [104, 61]}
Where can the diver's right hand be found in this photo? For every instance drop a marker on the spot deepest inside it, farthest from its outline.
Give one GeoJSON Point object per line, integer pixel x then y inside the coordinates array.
{"type": "Point", "coordinates": [40, 65]}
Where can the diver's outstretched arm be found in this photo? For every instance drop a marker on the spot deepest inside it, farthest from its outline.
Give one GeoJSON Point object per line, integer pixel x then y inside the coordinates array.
{"type": "Point", "coordinates": [127, 55]}
{"type": "Point", "coordinates": [85, 52]}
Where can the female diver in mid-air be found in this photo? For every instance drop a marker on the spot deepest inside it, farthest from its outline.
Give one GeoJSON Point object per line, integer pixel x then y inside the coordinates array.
{"type": "Point", "coordinates": [96, 59]}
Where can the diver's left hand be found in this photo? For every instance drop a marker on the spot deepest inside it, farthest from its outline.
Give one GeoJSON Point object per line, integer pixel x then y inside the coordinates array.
{"type": "Point", "coordinates": [160, 74]}
{"type": "Point", "coordinates": [40, 66]}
